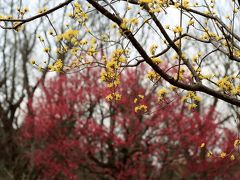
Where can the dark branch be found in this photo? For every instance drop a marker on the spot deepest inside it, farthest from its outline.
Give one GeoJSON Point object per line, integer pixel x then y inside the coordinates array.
{"type": "Point", "coordinates": [23, 21]}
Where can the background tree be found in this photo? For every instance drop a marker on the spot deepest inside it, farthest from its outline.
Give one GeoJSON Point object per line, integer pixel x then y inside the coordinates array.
{"type": "Point", "coordinates": [17, 84]}
{"type": "Point", "coordinates": [76, 132]}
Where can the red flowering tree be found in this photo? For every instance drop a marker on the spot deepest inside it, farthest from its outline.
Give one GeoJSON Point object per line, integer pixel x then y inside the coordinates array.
{"type": "Point", "coordinates": [76, 130]}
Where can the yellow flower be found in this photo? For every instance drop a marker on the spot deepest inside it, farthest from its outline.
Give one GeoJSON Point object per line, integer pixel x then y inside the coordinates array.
{"type": "Point", "coordinates": [157, 60]}
{"type": "Point", "coordinates": [67, 35]}
{"type": "Point", "coordinates": [225, 84]}
{"type": "Point", "coordinates": [152, 75]}
{"type": "Point", "coordinates": [223, 154]}
{"type": "Point", "coordinates": [50, 32]}
{"type": "Point", "coordinates": [123, 25]}
{"type": "Point", "coordinates": [162, 92]}
{"type": "Point", "coordinates": [177, 29]}
{"type": "Point", "coordinates": [209, 154]}
{"type": "Point", "coordinates": [153, 48]}
{"type": "Point", "coordinates": [26, 9]}
{"type": "Point", "coordinates": [167, 26]}
{"type": "Point", "coordinates": [135, 100]}
{"type": "Point", "coordinates": [232, 157]}
{"type": "Point", "coordinates": [141, 108]}
{"type": "Point", "coordinates": [145, 1]}
{"type": "Point", "coordinates": [236, 143]}
{"type": "Point", "coordinates": [112, 65]}
{"type": "Point", "coordinates": [46, 50]}
{"type": "Point", "coordinates": [40, 68]}
{"type": "Point", "coordinates": [117, 96]}
{"type": "Point", "coordinates": [202, 145]}
{"type": "Point", "coordinates": [58, 65]}
{"type": "Point", "coordinates": [192, 106]}
{"type": "Point", "coordinates": [109, 97]}
{"type": "Point", "coordinates": [197, 98]}
{"type": "Point", "coordinates": [33, 61]}
{"type": "Point", "coordinates": [83, 42]}
{"type": "Point", "coordinates": [191, 22]}
{"type": "Point", "coordinates": [51, 67]}
{"type": "Point", "coordinates": [186, 3]}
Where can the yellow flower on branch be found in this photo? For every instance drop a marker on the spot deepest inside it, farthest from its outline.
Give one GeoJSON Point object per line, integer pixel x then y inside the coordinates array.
{"type": "Point", "coordinates": [223, 154]}
{"type": "Point", "coordinates": [109, 97]}
{"type": "Point", "coordinates": [145, 1]}
{"type": "Point", "coordinates": [177, 29]}
{"type": "Point", "coordinates": [202, 145]}
{"type": "Point", "coordinates": [141, 108]}
{"type": "Point", "coordinates": [46, 50]}
{"type": "Point", "coordinates": [209, 154]}
{"type": "Point", "coordinates": [232, 157]}
{"type": "Point", "coordinates": [224, 84]}
{"type": "Point", "coordinates": [236, 143]}
{"type": "Point", "coordinates": [33, 62]}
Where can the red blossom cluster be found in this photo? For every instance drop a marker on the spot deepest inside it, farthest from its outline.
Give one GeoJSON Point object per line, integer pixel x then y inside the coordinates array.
{"type": "Point", "coordinates": [73, 132]}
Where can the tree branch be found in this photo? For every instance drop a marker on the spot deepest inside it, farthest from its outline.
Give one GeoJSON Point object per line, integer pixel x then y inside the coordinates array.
{"type": "Point", "coordinates": [23, 21]}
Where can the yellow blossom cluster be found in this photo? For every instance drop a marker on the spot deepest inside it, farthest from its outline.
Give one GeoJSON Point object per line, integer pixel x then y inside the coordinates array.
{"type": "Point", "coordinates": [153, 76]}
{"type": "Point", "coordinates": [43, 10]}
{"type": "Point", "coordinates": [191, 22]}
{"type": "Point", "coordinates": [77, 48]}
{"type": "Point", "coordinates": [140, 107]}
{"type": "Point", "coordinates": [236, 52]}
{"type": "Point", "coordinates": [33, 62]}
{"type": "Point", "coordinates": [223, 154]}
{"type": "Point", "coordinates": [155, 5]}
{"type": "Point", "coordinates": [236, 143]}
{"type": "Point", "coordinates": [139, 98]}
{"type": "Point", "coordinates": [157, 60]}
{"type": "Point", "coordinates": [232, 157]}
{"type": "Point", "coordinates": [191, 97]}
{"type": "Point", "coordinates": [185, 4]}
{"type": "Point", "coordinates": [161, 93]}
{"type": "Point", "coordinates": [57, 66]}
{"type": "Point", "coordinates": [92, 47]}
{"type": "Point", "coordinates": [202, 145]}
{"type": "Point", "coordinates": [112, 70]}
{"type": "Point", "coordinates": [69, 35]}
{"type": "Point", "coordinates": [209, 154]}
{"type": "Point", "coordinates": [145, 1]}
{"type": "Point", "coordinates": [110, 77]}
{"type": "Point", "coordinates": [225, 84]}
{"type": "Point", "coordinates": [113, 96]}
{"type": "Point", "coordinates": [22, 11]}
{"type": "Point", "coordinates": [207, 35]}
{"type": "Point", "coordinates": [236, 90]}
{"type": "Point", "coordinates": [111, 74]}
{"type": "Point", "coordinates": [127, 23]}
{"type": "Point", "coordinates": [76, 63]}
{"type": "Point", "coordinates": [46, 49]}
{"type": "Point", "coordinates": [152, 49]}
{"type": "Point", "coordinates": [79, 14]}
{"type": "Point", "coordinates": [156, 2]}
{"type": "Point", "coordinates": [196, 57]}
{"type": "Point", "coordinates": [177, 29]}
{"type": "Point", "coordinates": [6, 17]}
